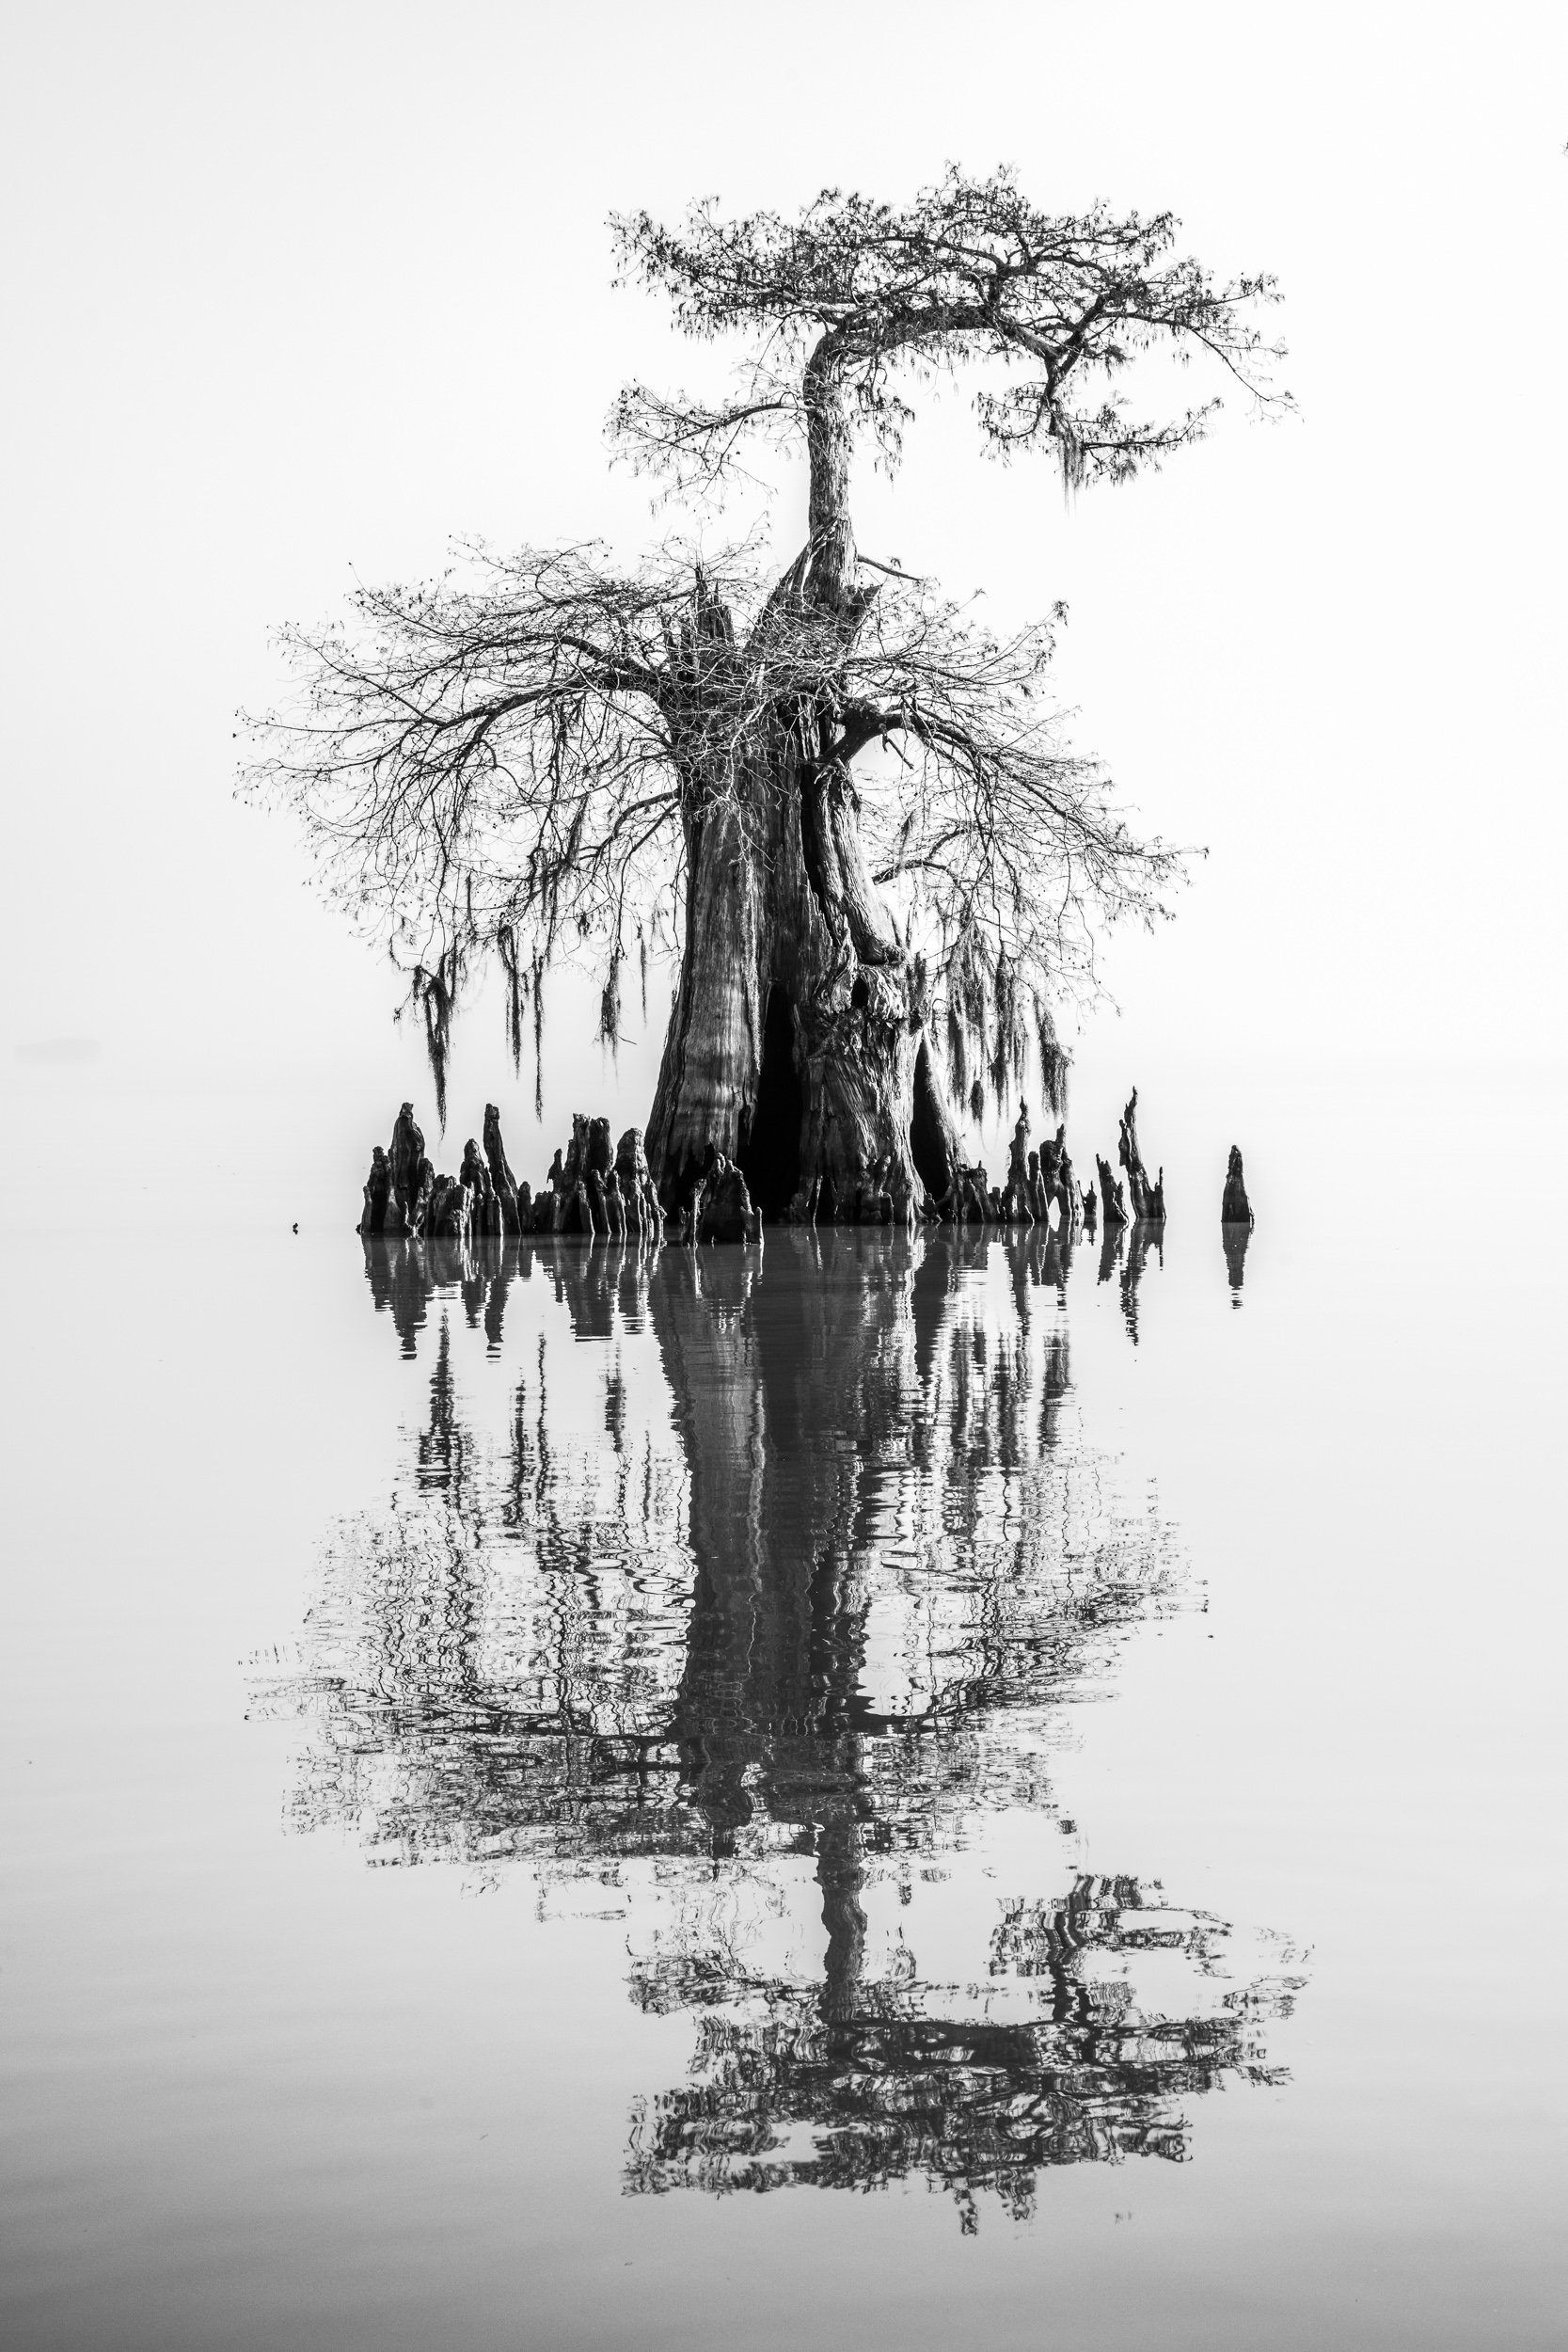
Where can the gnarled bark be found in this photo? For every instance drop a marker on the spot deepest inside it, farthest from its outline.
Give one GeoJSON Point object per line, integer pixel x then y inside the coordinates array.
{"type": "Point", "coordinates": [638, 1190]}
{"type": "Point", "coordinates": [1018, 1201]}
{"type": "Point", "coordinates": [1148, 1199]}
{"type": "Point", "coordinates": [1235, 1208]}
{"type": "Point", "coordinates": [378, 1187]}
{"type": "Point", "coordinates": [409, 1168]}
{"type": "Point", "coordinates": [500, 1172]}
{"type": "Point", "coordinates": [592, 1191]}
{"type": "Point", "coordinates": [1112, 1196]}
{"type": "Point", "coordinates": [1059, 1183]}
{"type": "Point", "coordinates": [795, 1034]}
{"type": "Point", "coordinates": [797, 1027]}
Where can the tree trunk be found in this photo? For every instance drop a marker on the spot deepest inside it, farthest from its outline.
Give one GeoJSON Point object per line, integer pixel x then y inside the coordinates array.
{"type": "Point", "coordinates": [797, 1032]}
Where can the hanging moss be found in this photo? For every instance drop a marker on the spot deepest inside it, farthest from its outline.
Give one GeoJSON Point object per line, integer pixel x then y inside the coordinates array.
{"type": "Point", "coordinates": [1055, 1060]}
{"type": "Point", "coordinates": [609, 1009]}
{"type": "Point", "coordinates": [1008, 1044]}
{"type": "Point", "coordinates": [538, 1038]}
{"type": "Point", "coordinates": [436, 993]}
{"type": "Point", "coordinates": [972, 978]}
{"type": "Point", "coordinates": [516, 994]}
{"type": "Point", "coordinates": [957, 1057]}
{"type": "Point", "coordinates": [969, 990]}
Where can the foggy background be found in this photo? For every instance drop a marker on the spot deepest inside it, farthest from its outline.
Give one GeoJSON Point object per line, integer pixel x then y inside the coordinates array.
{"type": "Point", "coordinates": [292, 295]}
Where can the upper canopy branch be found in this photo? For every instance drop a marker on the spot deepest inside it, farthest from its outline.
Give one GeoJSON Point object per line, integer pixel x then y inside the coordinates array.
{"type": "Point", "coordinates": [968, 272]}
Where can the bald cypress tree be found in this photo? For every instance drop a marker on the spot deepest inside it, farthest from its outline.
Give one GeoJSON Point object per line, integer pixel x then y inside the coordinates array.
{"type": "Point", "coordinates": [838, 800]}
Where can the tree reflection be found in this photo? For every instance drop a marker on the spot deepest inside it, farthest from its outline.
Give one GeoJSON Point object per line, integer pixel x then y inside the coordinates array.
{"type": "Point", "coordinates": [921, 2078]}
{"type": "Point", "coordinates": [815, 1605]}
{"type": "Point", "coordinates": [406, 1273]}
{"type": "Point", "coordinates": [1234, 1240]}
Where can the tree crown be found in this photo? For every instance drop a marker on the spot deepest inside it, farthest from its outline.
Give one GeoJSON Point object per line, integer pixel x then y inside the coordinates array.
{"type": "Point", "coordinates": [969, 271]}
{"type": "Point", "coordinates": [516, 758]}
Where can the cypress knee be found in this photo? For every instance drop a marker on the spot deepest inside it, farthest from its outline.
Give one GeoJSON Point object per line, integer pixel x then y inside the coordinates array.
{"type": "Point", "coordinates": [1235, 1208]}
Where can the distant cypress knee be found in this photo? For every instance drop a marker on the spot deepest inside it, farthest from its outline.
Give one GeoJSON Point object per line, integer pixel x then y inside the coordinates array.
{"type": "Point", "coordinates": [1235, 1210]}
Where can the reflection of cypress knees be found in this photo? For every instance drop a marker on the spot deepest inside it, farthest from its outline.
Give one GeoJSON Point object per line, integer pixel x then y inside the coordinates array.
{"type": "Point", "coordinates": [1149, 1201]}
{"type": "Point", "coordinates": [1234, 1239]}
{"type": "Point", "coordinates": [405, 1273]}
{"type": "Point", "coordinates": [1138, 1250]}
{"type": "Point", "coordinates": [1235, 1209]}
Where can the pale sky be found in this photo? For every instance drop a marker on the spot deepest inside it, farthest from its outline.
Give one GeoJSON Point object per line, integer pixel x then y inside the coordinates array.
{"type": "Point", "coordinates": [292, 294]}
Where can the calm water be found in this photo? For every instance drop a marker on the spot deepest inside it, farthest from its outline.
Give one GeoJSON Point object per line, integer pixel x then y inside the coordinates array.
{"type": "Point", "coordinates": [857, 1793]}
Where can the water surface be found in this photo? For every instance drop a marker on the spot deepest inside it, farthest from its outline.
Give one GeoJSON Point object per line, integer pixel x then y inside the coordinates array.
{"type": "Point", "coordinates": [868, 1791]}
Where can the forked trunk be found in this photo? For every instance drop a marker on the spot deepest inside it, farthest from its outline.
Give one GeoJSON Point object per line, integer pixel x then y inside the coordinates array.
{"type": "Point", "coordinates": [796, 1031]}
{"type": "Point", "coordinates": [795, 1034]}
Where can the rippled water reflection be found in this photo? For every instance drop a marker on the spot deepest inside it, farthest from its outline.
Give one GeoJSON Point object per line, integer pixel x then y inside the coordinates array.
{"type": "Point", "coordinates": [792, 1588]}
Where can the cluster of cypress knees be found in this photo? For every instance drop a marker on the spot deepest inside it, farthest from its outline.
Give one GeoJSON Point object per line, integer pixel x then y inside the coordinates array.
{"type": "Point", "coordinates": [597, 1190]}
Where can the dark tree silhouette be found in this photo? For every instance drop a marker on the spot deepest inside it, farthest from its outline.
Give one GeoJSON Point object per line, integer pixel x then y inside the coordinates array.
{"type": "Point", "coordinates": [835, 795]}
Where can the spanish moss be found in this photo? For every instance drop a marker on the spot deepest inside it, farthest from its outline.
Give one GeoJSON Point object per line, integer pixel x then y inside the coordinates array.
{"type": "Point", "coordinates": [539, 1038]}
{"type": "Point", "coordinates": [609, 1010]}
{"type": "Point", "coordinates": [436, 993]}
{"type": "Point", "coordinates": [1055, 1060]}
{"type": "Point", "coordinates": [516, 994]}
{"type": "Point", "coordinates": [1009, 1048]}
{"type": "Point", "coordinates": [957, 1053]}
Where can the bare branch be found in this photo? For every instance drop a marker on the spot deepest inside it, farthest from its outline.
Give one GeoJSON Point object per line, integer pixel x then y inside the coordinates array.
{"type": "Point", "coordinates": [969, 271]}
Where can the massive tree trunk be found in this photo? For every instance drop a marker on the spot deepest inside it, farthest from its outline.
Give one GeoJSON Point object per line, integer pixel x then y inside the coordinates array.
{"type": "Point", "coordinates": [797, 1026]}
